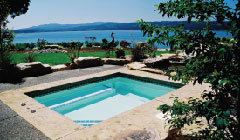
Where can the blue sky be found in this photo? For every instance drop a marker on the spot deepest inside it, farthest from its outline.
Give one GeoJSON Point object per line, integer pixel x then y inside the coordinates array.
{"type": "Point", "coordinates": [87, 11]}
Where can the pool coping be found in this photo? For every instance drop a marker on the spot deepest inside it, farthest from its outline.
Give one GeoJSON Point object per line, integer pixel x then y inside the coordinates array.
{"type": "Point", "coordinates": [57, 126]}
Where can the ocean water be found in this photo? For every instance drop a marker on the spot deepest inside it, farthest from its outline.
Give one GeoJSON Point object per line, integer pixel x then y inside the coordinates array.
{"type": "Point", "coordinates": [57, 37]}
{"type": "Point", "coordinates": [102, 100]}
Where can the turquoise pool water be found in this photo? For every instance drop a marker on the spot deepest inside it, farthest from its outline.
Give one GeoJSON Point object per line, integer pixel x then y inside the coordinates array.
{"type": "Point", "coordinates": [92, 103]}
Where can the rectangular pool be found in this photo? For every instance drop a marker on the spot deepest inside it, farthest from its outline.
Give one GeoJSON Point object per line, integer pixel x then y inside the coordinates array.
{"type": "Point", "coordinates": [94, 102]}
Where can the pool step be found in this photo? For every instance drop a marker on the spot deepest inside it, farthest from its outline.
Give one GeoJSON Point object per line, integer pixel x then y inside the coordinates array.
{"type": "Point", "coordinates": [69, 94]}
{"type": "Point", "coordinates": [107, 108]}
{"type": "Point", "coordinates": [75, 104]}
{"type": "Point", "coordinates": [81, 98]}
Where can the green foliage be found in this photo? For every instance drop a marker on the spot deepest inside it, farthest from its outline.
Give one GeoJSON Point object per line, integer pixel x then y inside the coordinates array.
{"type": "Point", "coordinates": [115, 44]}
{"type": "Point", "coordinates": [72, 55]}
{"type": "Point", "coordinates": [30, 45]}
{"type": "Point", "coordinates": [66, 45]}
{"type": "Point", "coordinates": [75, 46]}
{"type": "Point", "coordinates": [30, 57]}
{"type": "Point", "coordinates": [88, 44]}
{"type": "Point", "coordinates": [41, 43]}
{"type": "Point", "coordinates": [6, 37]}
{"type": "Point", "coordinates": [107, 54]}
{"type": "Point", "coordinates": [92, 44]}
{"type": "Point", "coordinates": [61, 48]}
{"type": "Point", "coordinates": [124, 44]}
{"type": "Point", "coordinates": [138, 51]}
{"type": "Point", "coordinates": [19, 47]}
{"type": "Point", "coordinates": [5, 59]}
{"type": "Point", "coordinates": [96, 44]}
{"type": "Point", "coordinates": [151, 50]}
{"type": "Point", "coordinates": [109, 46]}
{"type": "Point", "coordinates": [8, 8]}
{"type": "Point", "coordinates": [119, 52]}
{"type": "Point", "coordinates": [215, 61]}
{"type": "Point", "coordinates": [13, 8]}
{"type": "Point", "coordinates": [34, 49]}
{"type": "Point", "coordinates": [104, 43]}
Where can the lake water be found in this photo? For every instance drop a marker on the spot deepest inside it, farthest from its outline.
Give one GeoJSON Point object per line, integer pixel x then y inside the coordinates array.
{"type": "Point", "coordinates": [57, 37]}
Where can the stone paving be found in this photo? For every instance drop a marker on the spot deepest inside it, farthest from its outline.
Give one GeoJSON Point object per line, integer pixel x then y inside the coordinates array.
{"type": "Point", "coordinates": [30, 81]}
{"type": "Point", "coordinates": [14, 127]}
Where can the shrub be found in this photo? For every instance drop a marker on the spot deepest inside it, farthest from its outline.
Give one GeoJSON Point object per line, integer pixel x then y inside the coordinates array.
{"type": "Point", "coordinates": [119, 52]}
{"type": "Point", "coordinates": [96, 44]}
{"type": "Point", "coordinates": [107, 54]}
{"type": "Point", "coordinates": [34, 49]}
{"type": "Point", "coordinates": [5, 59]}
{"type": "Point", "coordinates": [72, 55]}
{"type": "Point", "coordinates": [88, 44]}
{"type": "Point", "coordinates": [11, 47]}
{"type": "Point", "coordinates": [20, 47]}
{"type": "Point", "coordinates": [41, 43]}
{"type": "Point", "coordinates": [29, 45]}
{"type": "Point", "coordinates": [152, 51]}
{"type": "Point", "coordinates": [65, 44]}
{"type": "Point", "coordinates": [61, 47]}
{"type": "Point", "coordinates": [124, 43]}
{"type": "Point", "coordinates": [30, 57]}
{"type": "Point", "coordinates": [138, 52]}
{"type": "Point", "coordinates": [104, 43]}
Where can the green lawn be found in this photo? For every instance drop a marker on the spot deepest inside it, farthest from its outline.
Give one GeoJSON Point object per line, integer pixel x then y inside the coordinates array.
{"type": "Point", "coordinates": [61, 58]}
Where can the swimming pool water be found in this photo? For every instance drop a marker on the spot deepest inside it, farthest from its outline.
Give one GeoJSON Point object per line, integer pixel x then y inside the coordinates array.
{"type": "Point", "coordinates": [92, 103]}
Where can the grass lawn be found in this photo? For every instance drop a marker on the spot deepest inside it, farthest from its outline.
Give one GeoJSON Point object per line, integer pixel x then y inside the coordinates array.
{"type": "Point", "coordinates": [61, 58]}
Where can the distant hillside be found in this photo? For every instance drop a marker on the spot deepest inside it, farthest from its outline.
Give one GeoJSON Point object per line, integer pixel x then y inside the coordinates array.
{"type": "Point", "coordinates": [54, 27]}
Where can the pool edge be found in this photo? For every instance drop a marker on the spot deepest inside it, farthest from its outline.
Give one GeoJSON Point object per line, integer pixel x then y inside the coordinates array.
{"type": "Point", "coordinates": [15, 99]}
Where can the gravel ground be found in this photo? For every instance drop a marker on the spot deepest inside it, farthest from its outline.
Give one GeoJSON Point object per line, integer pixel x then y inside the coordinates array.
{"type": "Point", "coordinates": [14, 127]}
{"type": "Point", "coordinates": [30, 81]}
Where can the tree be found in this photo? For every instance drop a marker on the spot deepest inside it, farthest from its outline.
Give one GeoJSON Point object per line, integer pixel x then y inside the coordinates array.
{"type": "Point", "coordinates": [216, 62]}
{"type": "Point", "coordinates": [8, 8]}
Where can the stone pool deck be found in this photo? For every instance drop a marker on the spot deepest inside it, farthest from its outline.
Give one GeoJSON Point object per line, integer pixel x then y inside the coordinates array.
{"type": "Point", "coordinates": [56, 126]}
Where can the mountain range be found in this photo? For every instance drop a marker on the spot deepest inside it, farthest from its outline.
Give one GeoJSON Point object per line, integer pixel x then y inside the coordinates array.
{"type": "Point", "coordinates": [54, 27]}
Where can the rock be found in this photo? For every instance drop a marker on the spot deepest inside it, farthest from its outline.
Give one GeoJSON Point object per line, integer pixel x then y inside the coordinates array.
{"type": "Point", "coordinates": [59, 67]}
{"type": "Point", "coordinates": [47, 66]}
{"type": "Point", "coordinates": [51, 47]}
{"type": "Point", "coordinates": [157, 62]}
{"type": "Point", "coordinates": [157, 71]}
{"type": "Point", "coordinates": [73, 66]}
{"type": "Point", "coordinates": [33, 69]}
{"type": "Point", "coordinates": [86, 62]}
{"type": "Point", "coordinates": [115, 61]}
{"type": "Point", "coordinates": [167, 55]}
{"type": "Point", "coordinates": [146, 55]}
{"type": "Point", "coordinates": [129, 58]}
{"type": "Point", "coordinates": [136, 66]}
